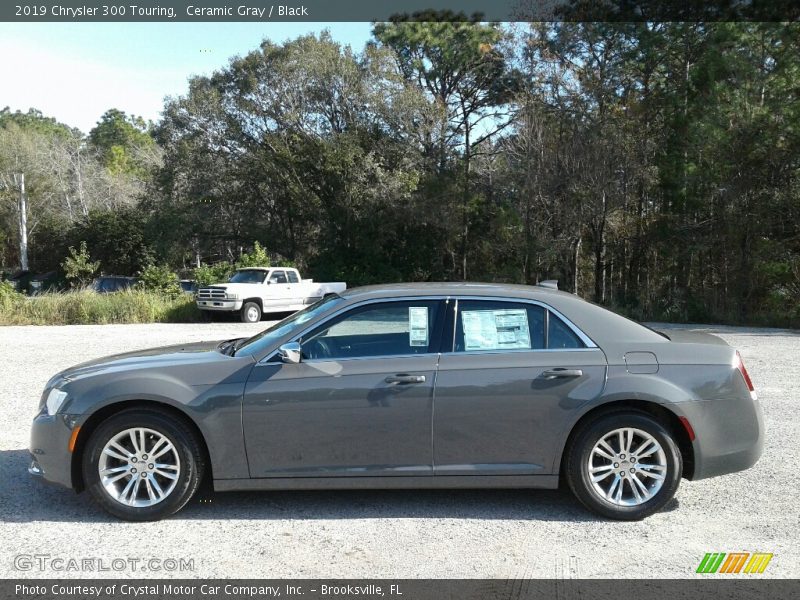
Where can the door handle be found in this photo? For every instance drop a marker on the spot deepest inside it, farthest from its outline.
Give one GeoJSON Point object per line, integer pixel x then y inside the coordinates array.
{"type": "Point", "coordinates": [405, 379]}
{"type": "Point", "coordinates": [560, 372]}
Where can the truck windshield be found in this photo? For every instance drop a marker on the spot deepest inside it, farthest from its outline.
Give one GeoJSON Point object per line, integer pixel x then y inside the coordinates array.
{"type": "Point", "coordinates": [248, 276]}
{"type": "Point", "coordinates": [263, 341]}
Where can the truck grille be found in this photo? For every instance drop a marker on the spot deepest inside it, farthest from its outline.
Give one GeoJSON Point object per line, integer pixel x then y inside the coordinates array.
{"type": "Point", "coordinates": [211, 293]}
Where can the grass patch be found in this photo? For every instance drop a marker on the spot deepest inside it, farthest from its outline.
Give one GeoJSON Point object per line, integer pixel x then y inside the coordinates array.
{"type": "Point", "coordinates": [86, 307]}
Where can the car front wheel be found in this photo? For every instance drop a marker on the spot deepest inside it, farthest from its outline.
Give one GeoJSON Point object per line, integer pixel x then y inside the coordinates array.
{"type": "Point", "coordinates": [142, 465]}
{"type": "Point", "coordinates": [623, 465]}
{"type": "Point", "coordinates": [251, 312]}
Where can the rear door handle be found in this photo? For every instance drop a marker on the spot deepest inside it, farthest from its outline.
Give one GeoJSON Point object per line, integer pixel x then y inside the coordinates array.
{"type": "Point", "coordinates": [560, 372]}
{"type": "Point", "coordinates": [402, 378]}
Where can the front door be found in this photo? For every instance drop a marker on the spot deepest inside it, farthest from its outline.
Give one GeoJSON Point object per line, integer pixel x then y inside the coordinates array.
{"type": "Point", "coordinates": [515, 377]}
{"type": "Point", "coordinates": [358, 404]}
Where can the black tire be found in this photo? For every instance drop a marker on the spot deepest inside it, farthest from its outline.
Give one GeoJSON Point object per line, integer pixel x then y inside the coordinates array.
{"type": "Point", "coordinates": [249, 311]}
{"type": "Point", "coordinates": [576, 462]}
{"type": "Point", "coordinates": [185, 442]}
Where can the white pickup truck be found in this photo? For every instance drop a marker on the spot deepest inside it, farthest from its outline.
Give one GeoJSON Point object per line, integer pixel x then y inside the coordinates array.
{"type": "Point", "coordinates": [258, 290]}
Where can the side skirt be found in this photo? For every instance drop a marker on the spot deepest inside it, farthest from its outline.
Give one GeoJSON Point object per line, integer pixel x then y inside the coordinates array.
{"type": "Point", "coordinates": [548, 482]}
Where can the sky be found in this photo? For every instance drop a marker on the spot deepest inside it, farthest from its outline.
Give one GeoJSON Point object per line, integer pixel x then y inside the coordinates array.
{"type": "Point", "coordinates": [76, 71]}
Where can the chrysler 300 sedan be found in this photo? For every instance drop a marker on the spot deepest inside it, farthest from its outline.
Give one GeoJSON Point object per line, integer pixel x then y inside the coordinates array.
{"type": "Point", "coordinates": [408, 386]}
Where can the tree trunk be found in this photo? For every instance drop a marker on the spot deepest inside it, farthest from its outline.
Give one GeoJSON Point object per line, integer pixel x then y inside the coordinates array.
{"type": "Point", "coordinates": [22, 210]}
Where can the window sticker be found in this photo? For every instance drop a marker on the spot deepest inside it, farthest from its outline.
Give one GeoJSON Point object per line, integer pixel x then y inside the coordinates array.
{"type": "Point", "coordinates": [495, 329]}
{"type": "Point", "coordinates": [418, 325]}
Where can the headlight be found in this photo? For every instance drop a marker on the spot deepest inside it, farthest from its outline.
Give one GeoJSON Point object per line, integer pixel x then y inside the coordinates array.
{"type": "Point", "coordinates": [55, 399]}
{"type": "Point", "coordinates": [232, 296]}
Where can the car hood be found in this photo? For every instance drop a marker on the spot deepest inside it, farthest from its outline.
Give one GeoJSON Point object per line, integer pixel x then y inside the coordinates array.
{"type": "Point", "coordinates": [232, 287]}
{"type": "Point", "coordinates": [197, 353]}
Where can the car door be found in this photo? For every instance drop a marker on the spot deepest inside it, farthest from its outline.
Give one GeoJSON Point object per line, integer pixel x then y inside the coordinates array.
{"type": "Point", "coordinates": [514, 376]}
{"type": "Point", "coordinates": [358, 404]}
{"type": "Point", "coordinates": [279, 293]}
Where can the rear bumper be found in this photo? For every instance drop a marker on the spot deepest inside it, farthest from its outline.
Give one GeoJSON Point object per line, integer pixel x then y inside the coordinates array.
{"type": "Point", "coordinates": [227, 305]}
{"type": "Point", "coordinates": [51, 459]}
{"type": "Point", "coordinates": [729, 435]}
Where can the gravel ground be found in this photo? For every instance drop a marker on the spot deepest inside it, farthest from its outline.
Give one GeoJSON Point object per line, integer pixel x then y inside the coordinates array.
{"type": "Point", "coordinates": [396, 534]}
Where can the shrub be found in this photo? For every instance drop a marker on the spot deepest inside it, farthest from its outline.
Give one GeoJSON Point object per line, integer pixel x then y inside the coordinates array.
{"type": "Point", "coordinates": [207, 274]}
{"type": "Point", "coordinates": [257, 258]}
{"type": "Point", "coordinates": [160, 279]}
{"type": "Point", "coordinates": [78, 267]}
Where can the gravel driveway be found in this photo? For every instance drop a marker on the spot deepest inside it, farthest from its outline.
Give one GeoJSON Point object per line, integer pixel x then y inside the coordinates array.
{"type": "Point", "coordinates": [394, 534]}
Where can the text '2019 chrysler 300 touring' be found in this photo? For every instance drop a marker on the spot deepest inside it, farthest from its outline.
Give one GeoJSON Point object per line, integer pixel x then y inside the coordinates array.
{"type": "Point", "coordinates": [408, 386]}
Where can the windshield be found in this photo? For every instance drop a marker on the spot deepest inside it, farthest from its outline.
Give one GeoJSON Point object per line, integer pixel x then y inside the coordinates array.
{"type": "Point", "coordinates": [248, 276]}
{"type": "Point", "coordinates": [263, 341]}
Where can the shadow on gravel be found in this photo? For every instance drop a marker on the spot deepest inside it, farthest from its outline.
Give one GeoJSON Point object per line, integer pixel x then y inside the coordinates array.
{"type": "Point", "coordinates": [23, 499]}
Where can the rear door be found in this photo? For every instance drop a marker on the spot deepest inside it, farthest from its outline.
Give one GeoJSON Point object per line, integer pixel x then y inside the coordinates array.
{"type": "Point", "coordinates": [515, 375]}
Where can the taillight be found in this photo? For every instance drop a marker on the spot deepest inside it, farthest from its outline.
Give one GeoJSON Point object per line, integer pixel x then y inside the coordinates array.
{"type": "Point", "coordinates": [739, 364]}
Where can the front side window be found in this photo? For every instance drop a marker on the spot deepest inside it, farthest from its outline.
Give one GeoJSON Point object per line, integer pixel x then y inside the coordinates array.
{"type": "Point", "coordinates": [375, 330]}
{"type": "Point", "coordinates": [278, 277]}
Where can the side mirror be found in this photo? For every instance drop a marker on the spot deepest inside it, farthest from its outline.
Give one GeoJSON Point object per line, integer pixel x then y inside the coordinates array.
{"type": "Point", "coordinates": [290, 353]}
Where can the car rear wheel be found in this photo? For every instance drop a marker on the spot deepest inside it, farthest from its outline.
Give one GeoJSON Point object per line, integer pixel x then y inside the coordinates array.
{"type": "Point", "coordinates": [251, 312]}
{"type": "Point", "coordinates": [623, 465]}
{"type": "Point", "coordinates": [142, 465]}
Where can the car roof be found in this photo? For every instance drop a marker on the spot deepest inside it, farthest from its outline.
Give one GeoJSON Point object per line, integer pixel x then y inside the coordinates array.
{"type": "Point", "coordinates": [451, 288]}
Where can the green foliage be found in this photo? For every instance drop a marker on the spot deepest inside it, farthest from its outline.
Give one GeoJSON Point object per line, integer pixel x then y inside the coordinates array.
{"type": "Point", "coordinates": [85, 307]}
{"type": "Point", "coordinates": [217, 273]}
{"type": "Point", "coordinates": [118, 239]}
{"type": "Point", "coordinates": [160, 279]}
{"type": "Point", "coordinates": [118, 138]}
{"type": "Point", "coordinates": [78, 266]}
{"type": "Point", "coordinates": [257, 258]}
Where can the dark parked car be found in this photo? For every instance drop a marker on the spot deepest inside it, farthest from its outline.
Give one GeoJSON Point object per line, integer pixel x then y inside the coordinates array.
{"type": "Point", "coordinates": [408, 386]}
{"type": "Point", "coordinates": [107, 284]}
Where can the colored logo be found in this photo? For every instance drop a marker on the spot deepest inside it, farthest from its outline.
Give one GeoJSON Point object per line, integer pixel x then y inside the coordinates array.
{"type": "Point", "coordinates": [734, 562]}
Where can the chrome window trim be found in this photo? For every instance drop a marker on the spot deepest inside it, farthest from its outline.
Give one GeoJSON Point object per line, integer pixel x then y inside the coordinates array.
{"type": "Point", "coordinates": [589, 343]}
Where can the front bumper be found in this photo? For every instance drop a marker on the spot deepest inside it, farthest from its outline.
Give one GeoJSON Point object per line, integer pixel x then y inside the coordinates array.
{"type": "Point", "coordinates": [51, 459]}
{"type": "Point", "coordinates": [729, 435]}
{"type": "Point", "coordinates": [219, 304]}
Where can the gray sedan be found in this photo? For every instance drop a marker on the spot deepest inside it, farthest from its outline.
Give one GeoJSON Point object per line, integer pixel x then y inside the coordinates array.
{"type": "Point", "coordinates": [408, 386]}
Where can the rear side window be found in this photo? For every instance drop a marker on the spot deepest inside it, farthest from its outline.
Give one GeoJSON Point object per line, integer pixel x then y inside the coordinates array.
{"type": "Point", "coordinates": [293, 278]}
{"type": "Point", "coordinates": [561, 337]}
{"type": "Point", "coordinates": [483, 325]}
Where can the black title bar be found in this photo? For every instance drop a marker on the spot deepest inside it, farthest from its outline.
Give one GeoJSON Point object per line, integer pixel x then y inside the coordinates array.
{"type": "Point", "coordinates": [385, 10]}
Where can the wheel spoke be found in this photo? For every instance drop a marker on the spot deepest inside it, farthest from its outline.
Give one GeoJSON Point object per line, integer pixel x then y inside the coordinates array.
{"type": "Point", "coordinates": [108, 480]}
{"type": "Point", "coordinates": [163, 451]}
{"type": "Point", "coordinates": [156, 488]}
{"type": "Point", "coordinates": [638, 485]}
{"type": "Point", "coordinates": [113, 453]}
{"type": "Point", "coordinates": [165, 474]}
{"type": "Point", "coordinates": [135, 443]}
{"type": "Point", "coordinates": [604, 450]}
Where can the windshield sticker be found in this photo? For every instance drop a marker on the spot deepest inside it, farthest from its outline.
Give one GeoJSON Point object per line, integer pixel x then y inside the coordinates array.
{"type": "Point", "coordinates": [418, 325]}
{"type": "Point", "coordinates": [495, 329]}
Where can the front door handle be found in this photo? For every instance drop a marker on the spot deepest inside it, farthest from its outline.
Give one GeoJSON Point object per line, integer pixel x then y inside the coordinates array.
{"type": "Point", "coordinates": [405, 379]}
{"type": "Point", "coordinates": [560, 372]}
